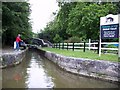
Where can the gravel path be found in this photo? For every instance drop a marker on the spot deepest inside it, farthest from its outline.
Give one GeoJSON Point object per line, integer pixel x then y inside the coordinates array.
{"type": "Point", "coordinates": [8, 50]}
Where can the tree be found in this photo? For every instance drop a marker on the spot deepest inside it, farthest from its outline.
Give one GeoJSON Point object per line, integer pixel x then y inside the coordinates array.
{"type": "Point", "coordinates": [84, 20]}
{"type": "Point", "coordinates": [57, 38]}
{"type": "Point", "coordinates": [15, 19]}
{"type": "Point", "coordinates": [78, 19]}
{"type": "Point", "coordinates": [59, 24]}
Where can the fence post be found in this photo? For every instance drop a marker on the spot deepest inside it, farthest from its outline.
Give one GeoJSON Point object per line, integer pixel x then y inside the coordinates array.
{"type": "Point", "coordinates": [55, 45]}
{"type": "Point", "coordinates": [89, 43]}
{"type": "Point", "coordinates": [84, 47]}
{"type": "Point", "coordinates": [98, 48]}
{"type": "Point", "coordinates": [59, 45]}
{"type": "Point", "coordinates": [63, 45]}
{"type": "Point", "coordinates": [67, 46]}
{"type": "Point", "coordinates": [73, 46]}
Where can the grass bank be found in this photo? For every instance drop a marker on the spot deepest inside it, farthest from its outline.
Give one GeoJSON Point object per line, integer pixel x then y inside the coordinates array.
{"type": "Point", "coordinates": [80, 54]}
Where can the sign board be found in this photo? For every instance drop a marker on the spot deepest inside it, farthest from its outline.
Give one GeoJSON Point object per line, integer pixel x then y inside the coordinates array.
{"type": "Point", "coordinates": [109, 26]}
{"type": "Point", "coordinates": [109, 29]}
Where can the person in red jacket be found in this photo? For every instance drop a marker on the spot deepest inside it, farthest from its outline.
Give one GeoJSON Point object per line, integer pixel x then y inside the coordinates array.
{"type": "Point", "coordinates": [18, 39]}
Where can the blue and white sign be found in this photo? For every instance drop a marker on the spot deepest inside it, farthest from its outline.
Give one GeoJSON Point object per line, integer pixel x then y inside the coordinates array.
{"type": "Point", "coordinates": [109, 26]}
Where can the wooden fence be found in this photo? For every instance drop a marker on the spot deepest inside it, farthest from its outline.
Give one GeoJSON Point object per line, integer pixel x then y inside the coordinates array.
{"type": "Point", "coordinates": [87, 46]}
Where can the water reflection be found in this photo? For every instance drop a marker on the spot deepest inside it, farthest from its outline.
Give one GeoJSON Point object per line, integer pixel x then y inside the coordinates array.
{"type": "Point", "coordinates": [29, 74]}
{"type": "Point", "coordinates": [37, 77]}
{"type": "Point", "coordinates": [38, 72]}
{"type": "Point", "coordinates": [63, 79]}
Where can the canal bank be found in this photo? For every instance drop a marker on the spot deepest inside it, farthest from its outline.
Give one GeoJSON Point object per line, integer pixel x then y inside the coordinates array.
{"type": "Point", "coordinates": [36, 71]}
{"type": "Point", "coordinates": [11, 58]}
{"type": "Point", "coordinates": [98, 69]}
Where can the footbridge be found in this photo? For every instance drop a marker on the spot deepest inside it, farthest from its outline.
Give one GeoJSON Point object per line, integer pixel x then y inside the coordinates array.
{"type": "Point", "coordinates": [38, 42]}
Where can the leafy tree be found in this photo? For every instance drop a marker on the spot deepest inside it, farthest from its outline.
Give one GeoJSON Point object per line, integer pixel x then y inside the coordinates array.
{"type": "Point", "coordinates": [15, 19]}
{"type": "Point", "coordinates": [73, 39]}
{"type": "Point", "coordinates": [62, 18]}
{"type": "Point", "coordinates": [57, 38]}
{"type": "Point", "coordinates": [84, 19]}
{"type": "Point", "coordinates": [78, 19]}
{"type": "Point", "coordinates": [59, 24]}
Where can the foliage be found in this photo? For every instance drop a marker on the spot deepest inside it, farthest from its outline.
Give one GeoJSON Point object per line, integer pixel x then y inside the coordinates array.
{"type": "Point", "coordinates": [79, 19]}
{"type": "Point", "coordinates": [84, 19]}
{"type": "Point", "coordinates": [81, 54]}
{"type": "Point", "coordinates": [110, 46]}
{"type": "Point", "coordinates": [15, 17]}
{"type": "Point", "coordinates": [59, 24]}
{"type": "Point", "coordinates": [57, 38]}
{"type": "Point", "coordinates": [73, 39]}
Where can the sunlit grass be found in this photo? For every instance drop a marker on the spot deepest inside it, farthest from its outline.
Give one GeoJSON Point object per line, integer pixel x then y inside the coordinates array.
{"type": "Point", "coordinates": [80, 54]}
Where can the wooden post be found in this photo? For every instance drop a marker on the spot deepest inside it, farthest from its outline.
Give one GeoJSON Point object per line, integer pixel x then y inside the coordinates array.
{"type": "Point", "coordinates": [63, 45]}
{"type": "Point", "coordinates": [59, 45]}
{"type": "Point", "coordinates": [67, 46]}
{"type": "Point", "coordinates": [98, 48]}
{"type": "Point", "coordinates": [55, 45]}
{"type": "Point", "coordinates": [84, 47]}
{"type": "Point", "coordinates": [73, 46]}
{"type": "Point", "coordinates": [89, 43]}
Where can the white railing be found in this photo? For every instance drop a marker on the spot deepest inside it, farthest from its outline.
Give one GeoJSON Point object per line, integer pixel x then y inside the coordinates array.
{"type": "Point", "coordinates": [89, 46]}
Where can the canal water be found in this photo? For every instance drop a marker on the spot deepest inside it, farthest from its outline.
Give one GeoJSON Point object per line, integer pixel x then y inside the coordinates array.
{"type": "Point", "coordinates": [38, 72]}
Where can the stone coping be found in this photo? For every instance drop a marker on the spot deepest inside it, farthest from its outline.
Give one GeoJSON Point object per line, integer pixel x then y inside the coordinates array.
{"type": "Point", "coordinates": [100, 69]}
{"type": "Point", "coordinates": [12, 58]}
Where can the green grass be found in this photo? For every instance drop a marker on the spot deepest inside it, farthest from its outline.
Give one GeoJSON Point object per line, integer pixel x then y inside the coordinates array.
{"type": "Point", "coordinates": [80, 54]}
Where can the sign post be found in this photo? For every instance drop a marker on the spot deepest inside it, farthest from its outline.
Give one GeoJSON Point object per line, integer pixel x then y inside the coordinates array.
{"type": "Point", "coordinates": [100, 47]}
{"type": "Point", "coordinates": [119, 39]}
{"type": "Point", "coordinates": [110, 29]}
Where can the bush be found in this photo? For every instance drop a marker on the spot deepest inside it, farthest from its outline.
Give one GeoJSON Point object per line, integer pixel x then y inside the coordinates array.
{"type": "Point", "coordinates": [110, 46]}
{"type": "Point", "coordinates": [57, 39]}
{"type": "Point", "coordinates": [73, 40]}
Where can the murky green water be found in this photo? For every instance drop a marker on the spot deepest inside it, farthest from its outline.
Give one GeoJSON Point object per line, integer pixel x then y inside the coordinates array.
{"type": "Point", "coordinates": [38, 72]}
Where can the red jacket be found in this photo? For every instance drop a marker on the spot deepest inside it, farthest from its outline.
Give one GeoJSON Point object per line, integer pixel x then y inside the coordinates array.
{"type": "Point", "coordinates": [18, 39]}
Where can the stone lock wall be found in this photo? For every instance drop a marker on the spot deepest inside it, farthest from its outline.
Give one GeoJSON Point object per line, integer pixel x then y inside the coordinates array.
{"type": "Point", "coordinates": [99, 69]}
{"type": "Point", "coordinates": [10, 59]}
